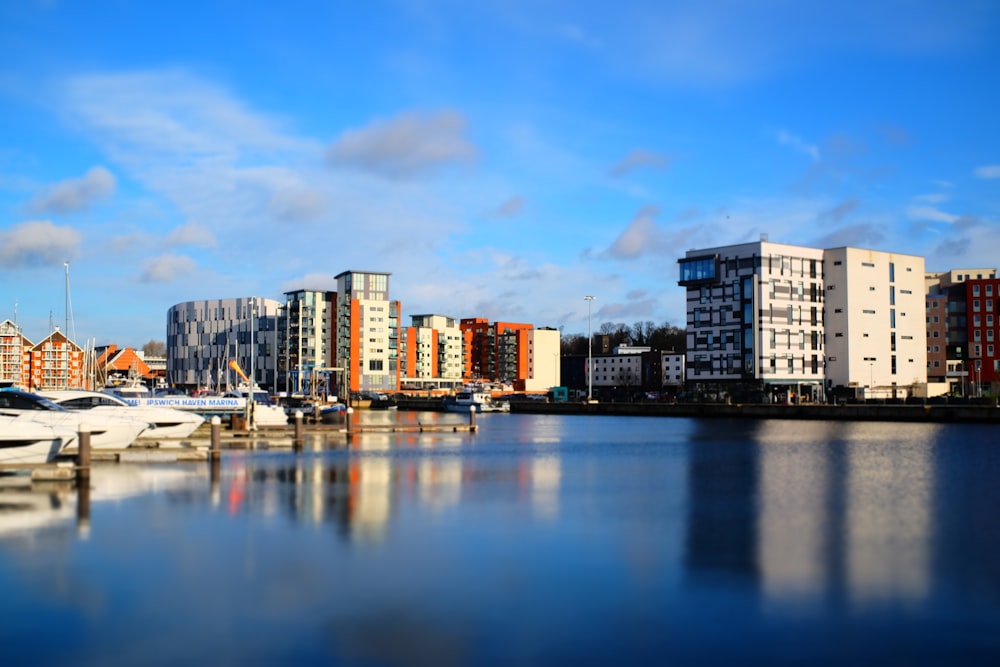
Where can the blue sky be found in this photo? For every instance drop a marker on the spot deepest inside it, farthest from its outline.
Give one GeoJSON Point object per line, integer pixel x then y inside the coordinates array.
{"type": "Point", "coordinates": [501, 159]}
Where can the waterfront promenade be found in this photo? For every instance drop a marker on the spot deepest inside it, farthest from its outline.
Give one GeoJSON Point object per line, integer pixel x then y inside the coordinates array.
{"type": "Point", "coordinates": [933, 413]}
{"type": "Point", "coordinates": [984, 412]}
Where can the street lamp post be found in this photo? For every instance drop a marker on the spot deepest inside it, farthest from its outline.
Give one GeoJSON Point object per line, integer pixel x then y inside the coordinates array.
{"type": "Point", "coordinates": [590, 352]}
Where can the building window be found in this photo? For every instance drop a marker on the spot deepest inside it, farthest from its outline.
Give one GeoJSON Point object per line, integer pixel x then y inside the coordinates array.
{"type": "Point", "coordinates": [975, 305]}
{"type": "Point", "coordinates": [975, 290]}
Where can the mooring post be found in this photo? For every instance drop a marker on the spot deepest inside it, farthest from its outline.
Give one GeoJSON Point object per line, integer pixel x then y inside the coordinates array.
{"type": "Point", "coordinates": [297, 443]}
{"type": "Point", "coordinates": [215, 449]}
{"type": "Point", "coordinates": [83, 453]}
{"type": "Point", "coordinates": [349, 419]}
{"type": "Point", "coordinates": [317, 413]}
{"type": "Point", "coordinates": [472, 417]}
{"type": "Point", "coordinates": [83, 506]}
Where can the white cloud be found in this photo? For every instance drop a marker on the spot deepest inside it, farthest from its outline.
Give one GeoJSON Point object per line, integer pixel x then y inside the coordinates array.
{"type": "Point", "coordinates": [639, 158]}
{"type": "Point", "coordinates": [642, 234]}
{"type": "Point", "coordinates": [786, 138]}
{"type": "Point", "coordinates": [190, 233]}
{"type": "Point", "coordinates": [37, 243]}
{"type": "Point", "coordinates": [297, 204]}
{"type": "Point", "coordinates": [408, 145]}
{"type": "Point", "coordinates": [76, 194]}
{"type": "Point", "coordinates": [933, 198]}
{"type": "Point", "coordinates": [166, 268]}
{"type": "Point", "coordinates": [511, 207]}
{"type": "Point", "coordinates": [930, 213]}
{"type": "Point", "coordinates": [989, 171]}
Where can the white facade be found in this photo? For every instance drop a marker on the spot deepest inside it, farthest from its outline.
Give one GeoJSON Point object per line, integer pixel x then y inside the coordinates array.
{"type": "Point", "coordinates": [308, 323]}
{"type": "Point", "coordinates": [433, 352]}
{"type": "Point", "coordinates": [803, 319]}
{"type": "Point", "coordinates": [876, 327]}
{"type": "Point", "coordinates": [543, 360]}
{"type": "Point", "coordinates": [672, 368]}
{"type": "Point", "coordinates": [754, 314]}
{"type": "Point", "coordinates": [367, 331]}
{"type": "Point", "coordinates": [203, 337]}
{"type": "Point", "coordinates": [618, 370]}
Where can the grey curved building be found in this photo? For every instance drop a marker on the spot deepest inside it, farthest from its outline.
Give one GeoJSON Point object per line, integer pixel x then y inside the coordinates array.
{"type": "Point", "coordinates": [203, 337]}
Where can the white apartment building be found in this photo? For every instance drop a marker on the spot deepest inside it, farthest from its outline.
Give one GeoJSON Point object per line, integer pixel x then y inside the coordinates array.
{"type": "Point", "coordinates": [876, 327]}
{"type": "Point", "coordinates": [307, 342]}
{"type": "Point", "coordinates": [755, 318]}
{"type": "Point", "coordinates": [432, 353]}
{"type": "Point", "coordinates": [621, 369]}
{"type": "Point", "coordinates": [672, 368]}
{"type": "Point", "coordinates": [792, 319]}
{"type": "Point", "coordinates": [367, 331]}
{"type": "Point", "coordinates": [543, 359]}
{"type": "Point", "coordinates": [203, 337]}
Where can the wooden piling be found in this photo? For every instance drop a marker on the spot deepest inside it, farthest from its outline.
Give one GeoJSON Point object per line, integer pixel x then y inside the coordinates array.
{"type": "Point", "coordinates": [349, 419]}
{"type": "Point", "coordinates": [83, 454]}
{"type": "Point", "coordinates": [215, 451]}
{"type": "Point", "coordinates": [83, 505]}
{"type": "Point", "coordinates": [472, 417]}
{"type": "Point", "coordinates": [297, 442]}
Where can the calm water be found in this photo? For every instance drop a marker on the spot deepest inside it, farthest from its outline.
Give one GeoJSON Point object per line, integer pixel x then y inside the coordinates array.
{"type": "Point", "coordinates": [539, 540]}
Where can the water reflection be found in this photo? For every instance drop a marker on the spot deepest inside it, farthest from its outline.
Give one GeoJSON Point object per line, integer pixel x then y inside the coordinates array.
{"type": "Point", "coordinates": [578, 539]}
{"type": "Point", "coordinates": [810, 511]}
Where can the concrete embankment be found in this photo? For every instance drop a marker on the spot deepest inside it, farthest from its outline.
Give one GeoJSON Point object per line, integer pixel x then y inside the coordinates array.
{"type": "Point", "coordinates": [851, 412]}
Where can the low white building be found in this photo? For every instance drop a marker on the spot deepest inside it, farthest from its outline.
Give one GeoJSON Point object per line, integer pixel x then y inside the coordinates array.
{"type": "Point", "coordinates": [672, 368]}
{"type": "Point", "coordinates": [543, 360]}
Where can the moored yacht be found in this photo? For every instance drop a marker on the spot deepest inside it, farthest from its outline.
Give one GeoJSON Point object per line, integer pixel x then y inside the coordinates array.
{"type": "Point", "coordinates": [106, 431]}
{"type": "Point", "coordinates": [266, 413]}
{"type": "Point", "coordinates": [166, 422]}
{"type": "Point", "coordinates": [467, 400]}
{"type": "Point", "coordinates": [25, 442]}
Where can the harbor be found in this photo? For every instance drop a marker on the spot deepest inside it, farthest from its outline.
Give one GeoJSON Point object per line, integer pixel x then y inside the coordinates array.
{"type": "Point", "coordinates": [536, 539]}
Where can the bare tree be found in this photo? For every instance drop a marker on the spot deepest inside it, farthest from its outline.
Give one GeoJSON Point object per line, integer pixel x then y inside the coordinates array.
{"type": "Point", "coordinates": [155, 348]}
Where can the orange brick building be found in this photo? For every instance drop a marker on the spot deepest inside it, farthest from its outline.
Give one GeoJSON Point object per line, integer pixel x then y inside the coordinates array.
{"type": "Point", "coordinates": [496, 352]}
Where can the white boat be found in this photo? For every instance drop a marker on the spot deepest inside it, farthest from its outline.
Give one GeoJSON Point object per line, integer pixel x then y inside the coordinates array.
{"type": "Point", "coordinates": [167, 422]}
{"type": "Point", "coordinates": [26, 441]}
{"type": "Point", "coordinates": [131, 389]}
{"type": "Point", "coordinates": [466, 400]}
{"type": "Point", "coordinates": [106, 431]}
{"type": "Point", "coordinates": [266, 413]}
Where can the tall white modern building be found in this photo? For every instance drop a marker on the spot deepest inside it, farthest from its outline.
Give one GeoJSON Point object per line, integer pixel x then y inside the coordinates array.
{"type": "Point", "coordinates": [307, 342]}
{"type": "Point", "coordinates": [203, 337]}
{"type": "Point", "coordinates": [876, 329]}
{"type": "Point", "coordinates": [367, 331]}
{"type": "Point", "coordinates": [787, 320]}
{"type": "Point", "coordinates": [755, 319]}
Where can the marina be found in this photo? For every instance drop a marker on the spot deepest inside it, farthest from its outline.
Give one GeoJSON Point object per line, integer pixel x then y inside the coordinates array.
{"type": "Point", "coordinates": [537, 539]}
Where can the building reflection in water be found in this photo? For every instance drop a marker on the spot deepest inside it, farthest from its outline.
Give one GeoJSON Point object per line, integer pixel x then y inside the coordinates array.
{"type": "Point", "coordinates": [888, 528]}
{"type": "Point", "coordinates": [358, 484]}
{"type": "Point", "coordinates": [814, 511]}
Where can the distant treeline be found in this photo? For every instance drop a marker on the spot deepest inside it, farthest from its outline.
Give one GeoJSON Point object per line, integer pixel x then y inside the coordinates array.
{"type": "Point", "coordinates": [610, 335]}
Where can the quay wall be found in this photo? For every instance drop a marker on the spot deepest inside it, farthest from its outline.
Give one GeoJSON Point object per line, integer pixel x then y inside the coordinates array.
{"type": "Point", "coordinates": [849, 412]}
